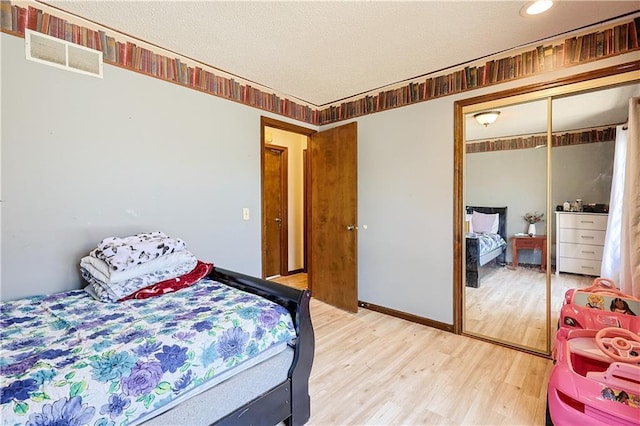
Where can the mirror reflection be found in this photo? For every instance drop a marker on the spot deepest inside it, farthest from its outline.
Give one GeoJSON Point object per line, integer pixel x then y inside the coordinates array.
{"type": "Point", "coordinates": [505, 179]}
{"type": "Point", "coordinates": [507, 165]}
{"type": "Point", "coordinates": [582, 159]}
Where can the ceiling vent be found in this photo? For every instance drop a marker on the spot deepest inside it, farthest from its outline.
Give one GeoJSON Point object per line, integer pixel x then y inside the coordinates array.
{"type": "Point", "coordinates": [62, 54]}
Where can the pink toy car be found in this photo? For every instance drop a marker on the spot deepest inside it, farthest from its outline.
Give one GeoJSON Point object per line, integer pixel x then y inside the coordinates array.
{"type": "Point", "coordinates": [597, 306]}
{"type": "Point", "coordinates": [595, 379]}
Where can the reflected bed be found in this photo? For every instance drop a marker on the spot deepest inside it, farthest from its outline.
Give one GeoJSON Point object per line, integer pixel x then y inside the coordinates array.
{"type": "Point", "coordinates": [482, 249]}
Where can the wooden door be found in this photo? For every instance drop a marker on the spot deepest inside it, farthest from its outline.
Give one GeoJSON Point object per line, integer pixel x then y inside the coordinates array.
{"type": "Point", "coordinates": [274, 217]}
{"type": "Point", "coordinates": [333, 248]}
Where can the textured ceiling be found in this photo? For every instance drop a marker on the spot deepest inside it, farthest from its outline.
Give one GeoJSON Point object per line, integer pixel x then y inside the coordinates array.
{"type": "Point", "coordinates": [324, 51]}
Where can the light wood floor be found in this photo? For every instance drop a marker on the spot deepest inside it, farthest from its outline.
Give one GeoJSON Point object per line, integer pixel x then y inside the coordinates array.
{"type": "Point", "coordinates": [509, 304]}
{"type": "Point", "coordinates": [374, 369]}
{"type": "Point", "coordinates": [298, 281]}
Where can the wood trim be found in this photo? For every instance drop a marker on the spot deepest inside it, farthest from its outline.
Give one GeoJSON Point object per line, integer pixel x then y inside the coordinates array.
{"type": "Point", "coordinates": [458, 216]}
{"type": "Point", "coordinates": [536, 87]}
{"type": "Point", "coordinates": [284, 208]}
{"type": "Point", "coordinates": [405, 316]}
{"type": "Point", "coordinates": [305, 207]}
{"type": "Point", "coordinates": [506, 345]}
{"type": "Point", "coordinates": [281, 125]}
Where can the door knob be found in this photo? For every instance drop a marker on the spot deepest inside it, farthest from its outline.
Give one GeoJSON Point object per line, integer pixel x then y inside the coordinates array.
{"type": "Point", "coordinates": [351, 227]}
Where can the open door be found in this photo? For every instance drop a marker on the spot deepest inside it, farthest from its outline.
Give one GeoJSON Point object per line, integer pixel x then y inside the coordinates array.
{"type": "Point", "coordinates": [333, 237]}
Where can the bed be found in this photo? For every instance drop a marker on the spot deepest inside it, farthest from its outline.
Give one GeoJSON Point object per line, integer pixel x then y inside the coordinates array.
{"type": "Point", "coordinates": [230, 349]}
{"type": "Point", "coordinates": [482, 248]}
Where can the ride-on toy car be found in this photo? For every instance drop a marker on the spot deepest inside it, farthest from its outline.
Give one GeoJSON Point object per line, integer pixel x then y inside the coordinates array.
{"type": "Point", "coordinates": [597, 306]}
{"type": "Point", "coordinates": [595, 379]}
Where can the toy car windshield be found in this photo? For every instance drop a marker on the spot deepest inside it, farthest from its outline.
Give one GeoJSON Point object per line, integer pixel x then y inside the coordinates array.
{"type": "Point", "coordinates": [598, 306]}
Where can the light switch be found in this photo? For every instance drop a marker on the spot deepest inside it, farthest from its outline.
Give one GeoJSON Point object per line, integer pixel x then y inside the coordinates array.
{"type": "Point", "coordinates": [245, 213]}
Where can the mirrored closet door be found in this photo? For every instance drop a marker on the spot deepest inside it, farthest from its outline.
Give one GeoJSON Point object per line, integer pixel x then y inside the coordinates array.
{"type": "Point", "coordinates": [585, 128]}
{"type": "Point", "coordinates": [513, 176]}
{"type": "Point", "coordinates": [505, 167]}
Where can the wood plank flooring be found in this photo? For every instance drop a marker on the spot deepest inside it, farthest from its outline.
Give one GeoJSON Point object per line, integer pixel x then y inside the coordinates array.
{"type": "Point", "coordinates": [509, 304]}
{"type": "Point", "coordinates": [298, 281]}
{"type": "Point", "coordinates": [374, 369]}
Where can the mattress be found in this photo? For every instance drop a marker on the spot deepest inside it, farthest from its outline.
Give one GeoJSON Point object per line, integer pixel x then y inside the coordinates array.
{"type": "Point", "coordinates": [69, 356]}
{"type": "Point", "coordinates": [223, 398]}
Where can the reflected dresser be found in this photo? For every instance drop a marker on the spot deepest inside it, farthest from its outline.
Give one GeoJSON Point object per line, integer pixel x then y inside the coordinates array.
{"type": "Point", "coordinates": [580, 242]}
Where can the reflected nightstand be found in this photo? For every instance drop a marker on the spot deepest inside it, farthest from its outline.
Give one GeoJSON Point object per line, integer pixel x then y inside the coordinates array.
{"type": "Point", "coordinates": [537, 242]}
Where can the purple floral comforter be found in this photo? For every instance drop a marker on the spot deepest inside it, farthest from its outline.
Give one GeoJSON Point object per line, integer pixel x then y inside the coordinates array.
{"type": "Point", "coordinates": [69, 359]}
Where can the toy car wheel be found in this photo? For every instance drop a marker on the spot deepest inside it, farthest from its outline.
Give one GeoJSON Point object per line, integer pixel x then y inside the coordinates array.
{"type": "Point", "coordinates": [547, 420]}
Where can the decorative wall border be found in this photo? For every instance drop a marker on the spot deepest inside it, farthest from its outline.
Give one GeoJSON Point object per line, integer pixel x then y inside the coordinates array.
{"type": "Point", "coordinates": [577, 50]}
{"type": "Point", "coordinates": [598, 134]}
{"type": "Point", "coordinates": [120, 51]}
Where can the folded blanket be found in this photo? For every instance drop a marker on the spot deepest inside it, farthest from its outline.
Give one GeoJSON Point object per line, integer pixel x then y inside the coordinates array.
{"type": "Point", "coordinates": [123, 253]}
{"type": "Point", "coordinates": [113, 292]}
{"type": "Point", "coordinates": [169, 286]}
{"type": "Point", "coordinates": [102, 272]}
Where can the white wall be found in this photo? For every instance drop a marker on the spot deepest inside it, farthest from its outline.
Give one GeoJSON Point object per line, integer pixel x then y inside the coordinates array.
{"type": "Point", "coordinates": [405, 197]}
{"type": "Point", "coordinates": [514, 178]}
{"type": "Point", "coordinates": [582, 171]}
{"type": "Point", "coordinates": [405, 187]}
{"type": "Point", "coordinates": [87, 158]}
{"type": "Point", "coordinates": [517, 179]}
{"type": "Point", "coordinates": [84, 158]}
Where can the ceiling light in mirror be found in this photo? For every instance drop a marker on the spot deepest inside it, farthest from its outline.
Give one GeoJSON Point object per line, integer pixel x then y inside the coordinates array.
{"type": "Point", "coordinates": [487, 117]}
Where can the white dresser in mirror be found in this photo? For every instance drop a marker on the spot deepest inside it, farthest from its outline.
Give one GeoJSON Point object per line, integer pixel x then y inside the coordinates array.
{"type": "Point", "coordinates": [580, 242]}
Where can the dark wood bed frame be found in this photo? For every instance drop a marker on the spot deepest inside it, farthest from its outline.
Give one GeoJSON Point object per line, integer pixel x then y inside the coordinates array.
{"type": "Point", "coordinates": [289, 401]}
{"type": "Point", "coordinates": [474, 265]}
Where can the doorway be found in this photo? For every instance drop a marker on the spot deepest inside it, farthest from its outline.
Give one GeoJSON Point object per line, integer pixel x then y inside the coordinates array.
{"type": "Point", "coordinates": [284, 200]}
{"type": "Point", "coordinates": [329, 211]}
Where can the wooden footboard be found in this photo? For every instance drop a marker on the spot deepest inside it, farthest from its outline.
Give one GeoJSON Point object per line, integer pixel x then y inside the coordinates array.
{"type": "Point", "coordinates": [289, 401]}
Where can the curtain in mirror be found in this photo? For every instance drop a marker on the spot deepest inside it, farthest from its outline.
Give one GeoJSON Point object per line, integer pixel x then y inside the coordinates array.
{"type": "Point", "coordinates": [630, 258]}
{"type": "Point", "coordinates": [611, 254]}
{"type": "Point", "coordinates": [621, 258]}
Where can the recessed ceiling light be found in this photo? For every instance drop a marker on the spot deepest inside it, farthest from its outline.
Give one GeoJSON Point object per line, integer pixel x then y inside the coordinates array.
{"type": "Point", "coordinates": [537, 7]}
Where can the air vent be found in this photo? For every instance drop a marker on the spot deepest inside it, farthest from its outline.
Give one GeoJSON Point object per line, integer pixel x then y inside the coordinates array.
{"type": "Point", "coordinates": [62, 54]}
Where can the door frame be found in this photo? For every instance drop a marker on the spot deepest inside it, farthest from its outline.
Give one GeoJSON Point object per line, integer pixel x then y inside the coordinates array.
{"type": "Point", "coordinates": [288, 127]}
